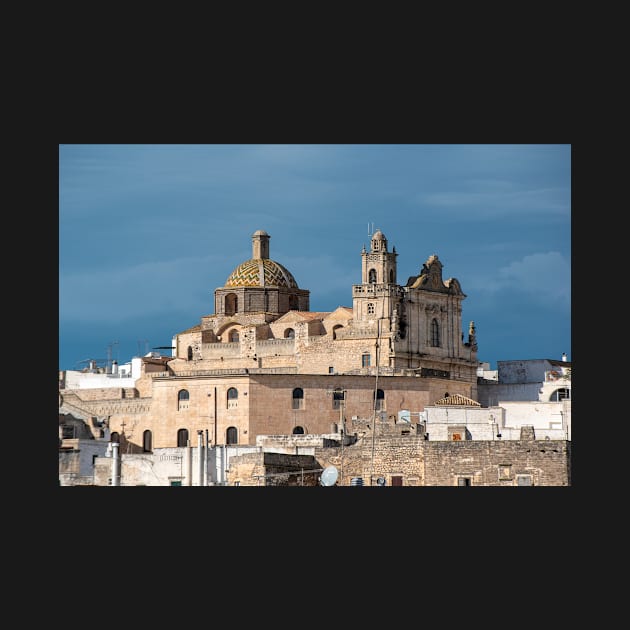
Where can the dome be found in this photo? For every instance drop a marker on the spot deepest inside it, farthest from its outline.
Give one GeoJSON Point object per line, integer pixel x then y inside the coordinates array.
{"type": "Point", "coordinates": [261, 272]}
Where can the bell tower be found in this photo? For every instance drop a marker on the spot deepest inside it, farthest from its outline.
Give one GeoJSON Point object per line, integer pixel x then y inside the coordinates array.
{"type": "Point", "coordinates": [379, 265]}
{"type": "Point", "coordinates": [376, 296]}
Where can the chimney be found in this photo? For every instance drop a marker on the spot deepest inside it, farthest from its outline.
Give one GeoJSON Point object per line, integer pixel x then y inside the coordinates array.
{"type": "Point", "coordinates": [564, 356]}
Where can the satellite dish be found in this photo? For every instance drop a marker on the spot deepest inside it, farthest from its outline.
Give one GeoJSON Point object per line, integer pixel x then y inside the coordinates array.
{"type": "Point", "coordinates": [329, 476]}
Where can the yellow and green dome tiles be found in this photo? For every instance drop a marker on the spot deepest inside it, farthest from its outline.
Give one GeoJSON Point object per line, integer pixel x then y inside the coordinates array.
{"type": "Point", "coordinates": [261, 272]}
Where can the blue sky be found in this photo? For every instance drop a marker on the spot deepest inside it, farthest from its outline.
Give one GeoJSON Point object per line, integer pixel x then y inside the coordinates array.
{"type": "Point", "coordinates": [147, 232]}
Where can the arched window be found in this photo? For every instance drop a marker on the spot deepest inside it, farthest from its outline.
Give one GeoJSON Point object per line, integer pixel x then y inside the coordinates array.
{"type": "Point", "coordinates": [189, 353]}
{"type": "Point", "coordinates": [365, 360]}
{"type": "Point", "coordinates": [232, 398]}
{"type": "Point", "coordinates": [147, 441]}
{"type": "Point", "coordinates": [372, 276]}
{"type": "Point", "coordinates": [233, 336]}
{"type": "Point", "coordinates": [298, 431]}
{"type": "Point", "coordinates": [231, 304]}
{"type": "Point", "coordinates": [293, 303]}
{"type": "Point", "coordinates": [183, 399]}
{"type": "Point", "coordinates": [231, 435]}
{"type": "Point", "coordinates": [339, 395]}
{"type": "Point", "coordinates": [289, 333]}
{"type": "Point", "coordinates": [564, 393]}
{"type": "Point", "coordinates": [379, 400]}
{"type": "Point", "coordinates": [435, 333]}
{"type": "Point", "coordinates": [115, 437]}
{"type": "Point", "coordinates": [182, 437]}
{"type": "Point", "coordinates": [298, 398]}
{"type": "Point", "coordinates": [391, 276]}
{"type": "Point", "coordinates": [335, 329]}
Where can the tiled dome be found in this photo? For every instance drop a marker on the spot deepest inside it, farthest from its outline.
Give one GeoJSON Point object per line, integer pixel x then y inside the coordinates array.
{"type": "Point", "coordinates": [261, 272]}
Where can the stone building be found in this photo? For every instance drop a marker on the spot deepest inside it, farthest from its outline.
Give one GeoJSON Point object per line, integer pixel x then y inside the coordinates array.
{"type": "Point", "coordinates": [516, 443]}
{"type": "Point", "coordinates": [264, 364]}
{"type": "Point", "coordinates": [396, 455]}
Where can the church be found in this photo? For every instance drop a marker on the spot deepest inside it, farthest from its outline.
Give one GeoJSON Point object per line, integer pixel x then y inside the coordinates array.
{"type": "Point", "coordinates": [263, 363]}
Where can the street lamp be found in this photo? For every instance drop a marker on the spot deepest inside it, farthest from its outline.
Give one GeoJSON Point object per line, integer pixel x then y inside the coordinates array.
{"type": "Point", "coordinates": [340, 396]}
{"type": "Point", "coordinates": [376, 352]}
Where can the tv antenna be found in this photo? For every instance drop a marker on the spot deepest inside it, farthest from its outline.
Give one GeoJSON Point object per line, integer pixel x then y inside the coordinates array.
{"type": "Point", "coordinates": [329, 476]}
{"type": "Point", "coordinates": [109, 352]}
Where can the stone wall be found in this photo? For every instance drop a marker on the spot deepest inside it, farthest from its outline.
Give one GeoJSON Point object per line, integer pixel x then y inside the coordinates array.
{"type": "Point", "coordinates": [412, 461]}
{"type": "Point", "coordinates": [498, 463]}
{"type": "Point", "coordinates": [274, 469]}
{"type": "Point", "coordinates": [399, 460]}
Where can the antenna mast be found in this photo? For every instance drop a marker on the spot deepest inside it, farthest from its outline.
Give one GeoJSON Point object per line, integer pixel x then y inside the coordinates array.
{"type": "Point", "coordinates": [146, 347]}
{"type": "Point", "coordinates": [109, 353]}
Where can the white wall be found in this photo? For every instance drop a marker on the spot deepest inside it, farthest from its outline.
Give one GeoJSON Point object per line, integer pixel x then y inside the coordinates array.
{"type": "Point", "coordinates": [549, 419]}
{"type": "Point", "coordinates": [546, 418]}
{"type": "Point", "coordinates": [164, 465]}
{"type": "Point", "coordinates": [76, 379]}
{"type": "Point", "coordinates": [482, 423]}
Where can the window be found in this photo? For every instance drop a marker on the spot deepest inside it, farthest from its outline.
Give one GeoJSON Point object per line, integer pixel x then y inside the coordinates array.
{"type": "Point", "coordinates": [338, 398]}
{"type": "Point", "coordinates": [464, 481]}
{"type": "Point", "coordinates": [293, 303]}
{"type": "Point", "coordinates": [331, 370]}
{"type": "Point", "coordinates": [435, 333]}
{"type": "Point", "coordinates": [365, 360]}
{"type": "Point", "coordinates": [298, 398]}
{"type": "Point", "coordinates": [231, 304]}
{"type": "Point", "coordinates": [233, 335]}
{"type": "Point", "coordinates": [147, 442]}
{"type": "Point", "coordinates": [560, 394]}
{"type": "Point", "coordinates": [67, 431]}
{"type": "Point", "coordinates": [232, 398]}
{"type": "Point", "coordinates": [183, 399]}
{"type": "Point", "coordinates": [298, 431]}
{"type": "Point", "coordinates": [289, 333]}
{"type": "Point", "coordinates": [182, 437]}
{"type": "Point", "coordinates": [370, 308]}
{"type": "Point", "coordinates": [335, 329]}
{"type": "Point", "coordinates": [115, 437]}
{"type": "Point", "coordinates": [189, 353]}
{"type": "Point", "coordinates": [372, 276]}
{"type": "Point", "coordinates": [391, 276]}
{"type": "Point", "coordinates": [524, 480]}
{"type": "Point", "coordinates": [379, 402]}
{"type": "Point", "coordinates": [231, 435]}
{"type": "Point", "coordinates": [505, 471]}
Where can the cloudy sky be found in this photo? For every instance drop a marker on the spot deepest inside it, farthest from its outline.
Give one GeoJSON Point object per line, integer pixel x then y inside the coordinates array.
{"type": "Point", "coordinates": [148, 232]}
